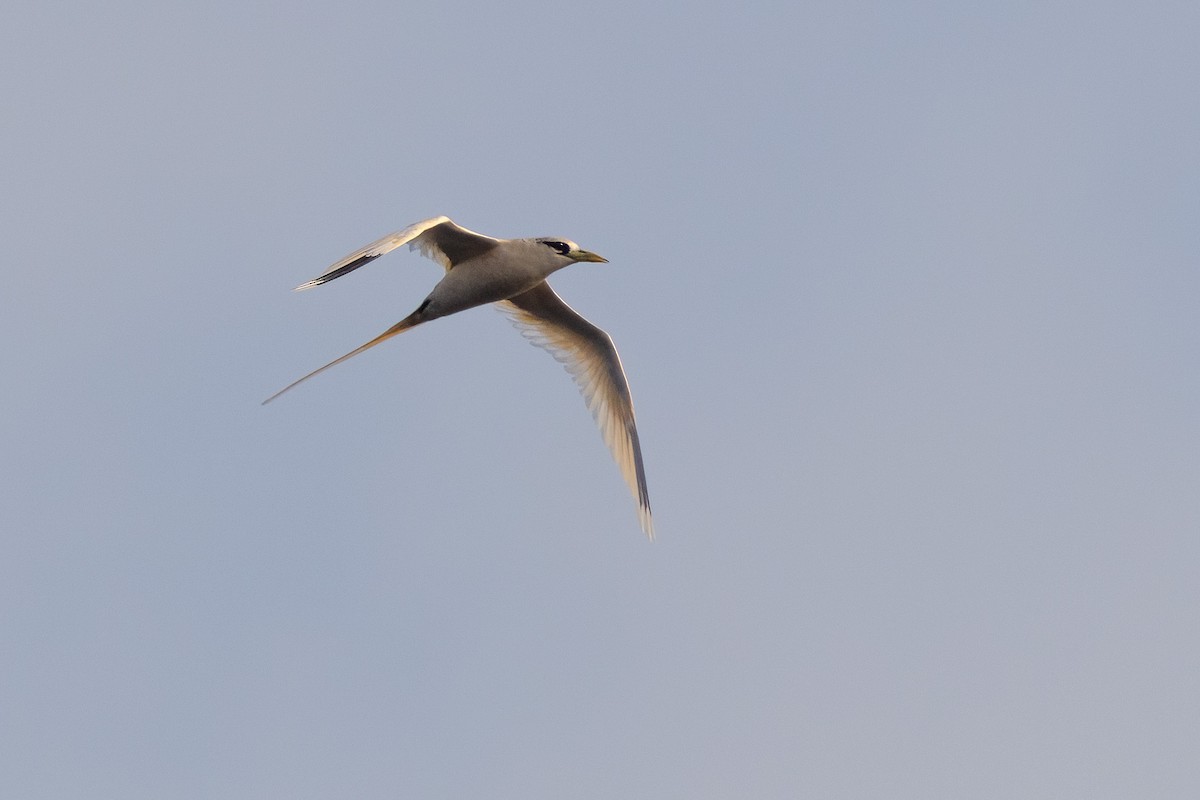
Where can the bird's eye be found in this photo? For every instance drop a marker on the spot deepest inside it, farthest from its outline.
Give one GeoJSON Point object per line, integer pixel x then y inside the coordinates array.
{"type": "Point", "coordinates": [562, 248]}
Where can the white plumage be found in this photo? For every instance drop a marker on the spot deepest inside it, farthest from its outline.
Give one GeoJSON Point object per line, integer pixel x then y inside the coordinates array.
{"type": "Point", "coordinates": [512, 273]}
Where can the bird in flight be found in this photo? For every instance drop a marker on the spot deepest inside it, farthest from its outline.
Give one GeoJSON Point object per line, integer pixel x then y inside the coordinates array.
{"type": "Point", "coordinates": [512, 274]}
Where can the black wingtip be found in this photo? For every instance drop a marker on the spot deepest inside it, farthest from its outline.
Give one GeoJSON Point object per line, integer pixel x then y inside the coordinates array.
{"type": "Point", "coordinates": [337, 273]}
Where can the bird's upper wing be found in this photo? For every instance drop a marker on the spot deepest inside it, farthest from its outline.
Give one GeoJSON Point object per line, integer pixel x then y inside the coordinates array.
{"type": "Point", "coordinates": [589, 355]}
{"type": "Point", "coordinates": [438, 238]}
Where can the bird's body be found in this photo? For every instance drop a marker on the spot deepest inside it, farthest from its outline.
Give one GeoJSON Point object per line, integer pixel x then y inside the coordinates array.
{"type": "Point", "coordinates": [512, 273]}
{"type": "Point", "coordinates": [493, 276]}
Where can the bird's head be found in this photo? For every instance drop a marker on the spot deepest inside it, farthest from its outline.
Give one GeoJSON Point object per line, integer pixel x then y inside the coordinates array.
{"type": "Point", "coordinates": [570, 250]}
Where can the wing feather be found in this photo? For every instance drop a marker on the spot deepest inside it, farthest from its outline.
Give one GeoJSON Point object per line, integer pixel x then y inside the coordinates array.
{"type": "Point", "coordinates": [589, 355]}
{"type": "Point", "coordinates": [438, 238]}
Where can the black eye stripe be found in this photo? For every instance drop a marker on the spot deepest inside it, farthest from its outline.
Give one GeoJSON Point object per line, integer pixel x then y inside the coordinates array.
{"type": "Point", "coordinates": [562, 248]}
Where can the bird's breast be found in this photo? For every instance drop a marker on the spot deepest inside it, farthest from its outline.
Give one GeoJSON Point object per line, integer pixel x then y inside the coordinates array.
{"type": "Point", "coordinates": [477, 283]}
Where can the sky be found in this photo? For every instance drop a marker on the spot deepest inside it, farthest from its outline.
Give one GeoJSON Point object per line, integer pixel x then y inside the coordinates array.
{"type": "Point", "coordinates": [907, 298]}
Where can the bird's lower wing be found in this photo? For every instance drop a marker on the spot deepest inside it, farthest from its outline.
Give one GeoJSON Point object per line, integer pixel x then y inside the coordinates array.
{"type": "Point", "coordinates": [589, 355]}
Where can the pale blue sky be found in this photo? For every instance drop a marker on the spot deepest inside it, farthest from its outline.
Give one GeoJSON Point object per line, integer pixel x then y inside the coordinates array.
{"type": "Point", "coordinates": [907, 295]}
